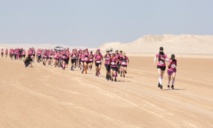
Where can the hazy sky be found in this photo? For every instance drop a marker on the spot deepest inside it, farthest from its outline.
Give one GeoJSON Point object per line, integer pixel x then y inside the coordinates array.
{"type": "Point", "coordinates": [94, 22]}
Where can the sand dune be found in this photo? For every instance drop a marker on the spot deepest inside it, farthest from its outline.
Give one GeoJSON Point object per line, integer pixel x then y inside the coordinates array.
{"type": "Point", "coordinates": [48, 97]}
{"type": "Point", "coordinates": [177, 44]}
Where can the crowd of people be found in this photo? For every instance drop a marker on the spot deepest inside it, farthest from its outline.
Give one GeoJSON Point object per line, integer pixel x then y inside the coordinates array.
{"type": "Point", "coordinates": [115, 62]}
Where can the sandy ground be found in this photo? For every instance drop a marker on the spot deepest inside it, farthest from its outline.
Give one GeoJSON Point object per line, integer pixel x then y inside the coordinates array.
{"type": "Point", "coordinates": [48, 97]}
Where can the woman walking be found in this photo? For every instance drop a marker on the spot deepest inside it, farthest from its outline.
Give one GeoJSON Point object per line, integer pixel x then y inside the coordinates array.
{"type": "Point", "coordinates": [172, 71]}
{"type": "Point", "coordinates": [161, 66]}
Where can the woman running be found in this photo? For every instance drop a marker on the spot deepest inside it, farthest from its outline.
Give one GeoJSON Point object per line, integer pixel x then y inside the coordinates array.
{"type": "Point", "coordinates": [172, 71]}
{"type": "Point", "coordinates": [98, 62]}
{"type": "Point", "coordinates": [2, 52]}
{"type": "Point", "coordinates": [118, 55]}
{"type": "Point", "coordinates": [67, 52]}
{"type": "Point", "coordinates": [91, 59]}
{"type": "Point", "coordinates": [73, 59]}
{"type": "Point", "coordinates": [107, 58]}
{"type": "Point", "coordinates": [50, 56]}
{"type": "Point", "coordinates": [114, 67]}
{"type": "Point", "coordinates": [23, 54]}
{"type": "Point", "coordinates": [38, 56]}
{"type": "Point", "coordinates": [11, 53]}
{"type": "Point", "coordinates": [63, 58]}
{"type": "Point", "coordinates": [6, 52]}
{"type": "Point", "coordinates": [161, 66]}
{"type": "Point", "coordinates": [56, 57]}
{"type": "Point", "coordinates": [45, 57]}
{"type": "Point", "coordinates": [85, 61]}
{"type": "Point", "coordinates": [124, 61]}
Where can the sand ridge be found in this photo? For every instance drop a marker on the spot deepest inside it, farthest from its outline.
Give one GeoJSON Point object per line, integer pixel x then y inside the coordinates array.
{"type": "Point", "coordinates": [173, 44]}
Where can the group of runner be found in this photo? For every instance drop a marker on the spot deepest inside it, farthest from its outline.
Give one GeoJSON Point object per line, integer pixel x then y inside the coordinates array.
{"type": "Point", "coordinates": [115, 62]}
{"type": "Point", "coordinates": [17, 53]}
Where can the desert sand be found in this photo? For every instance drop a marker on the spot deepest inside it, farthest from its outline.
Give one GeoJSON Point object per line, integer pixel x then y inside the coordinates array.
{"type": "Point", "coordinates": [48, 97]}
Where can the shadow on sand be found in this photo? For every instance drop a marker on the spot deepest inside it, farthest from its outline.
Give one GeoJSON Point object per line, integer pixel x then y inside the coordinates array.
{"type": "Point", "coordinates": [176, 89]}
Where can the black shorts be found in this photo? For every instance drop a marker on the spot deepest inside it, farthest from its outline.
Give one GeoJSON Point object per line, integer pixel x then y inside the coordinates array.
{"type": "Point", "coordinates": [73, 61]}
{"type": "Point", "coordinates": [162, 68]}
{"type": "Point", "coordinates": [66, 60]}
{"type": "Point", "coordinates": [107, 67]}
{"type": "Point", "coordinates": [87, 62]}
{"type": "Point", "coordinates": [114, 68]}
{"type": "Point", "coordinates": [97, 64]}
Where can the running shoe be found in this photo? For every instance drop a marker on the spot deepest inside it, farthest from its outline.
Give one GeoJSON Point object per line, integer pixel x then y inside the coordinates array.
{"type": "Point", "coordinates": [161, 86]}
{"type": "Point", "coordinates": [168, 86]}
{"type": "Point", "coordinates": [158, 85]}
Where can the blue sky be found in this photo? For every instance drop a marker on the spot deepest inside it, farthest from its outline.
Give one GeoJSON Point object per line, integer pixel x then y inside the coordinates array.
{"type": "Point", "coordinates": [94, 22]}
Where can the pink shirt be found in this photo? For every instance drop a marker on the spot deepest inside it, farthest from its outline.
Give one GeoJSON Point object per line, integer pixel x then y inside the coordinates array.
{"type": "Point", "coordinates": [98, 58]}
{"type": "Point", "coordinates": [107, 59]}
{"type": "Point", "coordinates": [124, 60]}
{"type": "Point", "coordinates": [118, 55]}
{"type": "Point", "coordinates": [91, 56]}
{"type": "Point", "coordinates": [57, 55]}
{"type": "Point", "coordinates": [74, 55]}
{"type": "Point", "coordinates": [23, 53]}
{"type": "Point", "coordinates": [172, 65]}
{"type": "Point", "coordinates": [67, 54]}
{"type": "Point", "coordinates": [114, 62]}
{"type": "Point", "coordinates": [86, 57]}
{"type": "Point", "coordinates": [161, 62]}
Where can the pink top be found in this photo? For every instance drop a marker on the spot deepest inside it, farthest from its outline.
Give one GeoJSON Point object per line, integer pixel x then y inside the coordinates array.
{"type": "Point", "coordinates": [91, 57]}
{"type": "Point", "coordinates": [63, 55]}
{"type": "Point", "coordinates": [67, 54]}
{"type": "Point", "coordinates": [124, 60]}
{"type": "Point", "coordinates": [74, 55]}
{"type": "Point", "coordinates": [172, 65]}
{"type": "Point", "coordinates": [86, 57]}
{"type": "Point", "coordinates": [39, 52]}
{"type": "Point", "coordinates": [30, 52]}
{"type": "Point", "coordinates": [114, 61]}
{"type": "Point", "coordinates": [161, 62]}
{"type": "Point", "coordinates": [11, 51]}
{"type": "Point", "coordinates": [98, 58]}
{"type": "Point", "coordinates": [107, 59]}
{"type": "Point", "coordinates": [57, 55]}
{"type": "Point", "coordinates": [118, 55]}
{"type": "Point", "coordinates": [23, 52]}
{"type": "Point", "coordinates": [44, 54]}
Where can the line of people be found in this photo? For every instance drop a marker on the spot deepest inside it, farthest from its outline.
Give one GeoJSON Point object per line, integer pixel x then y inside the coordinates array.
{"type": "Point", "coordinates": [17, 53]}
{"type": "Point", "coordinates": [115, 62]}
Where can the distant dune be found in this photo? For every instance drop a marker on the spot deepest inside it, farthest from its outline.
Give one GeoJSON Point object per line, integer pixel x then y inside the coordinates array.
{"type": "Point", "coordinates": [178, 44]}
